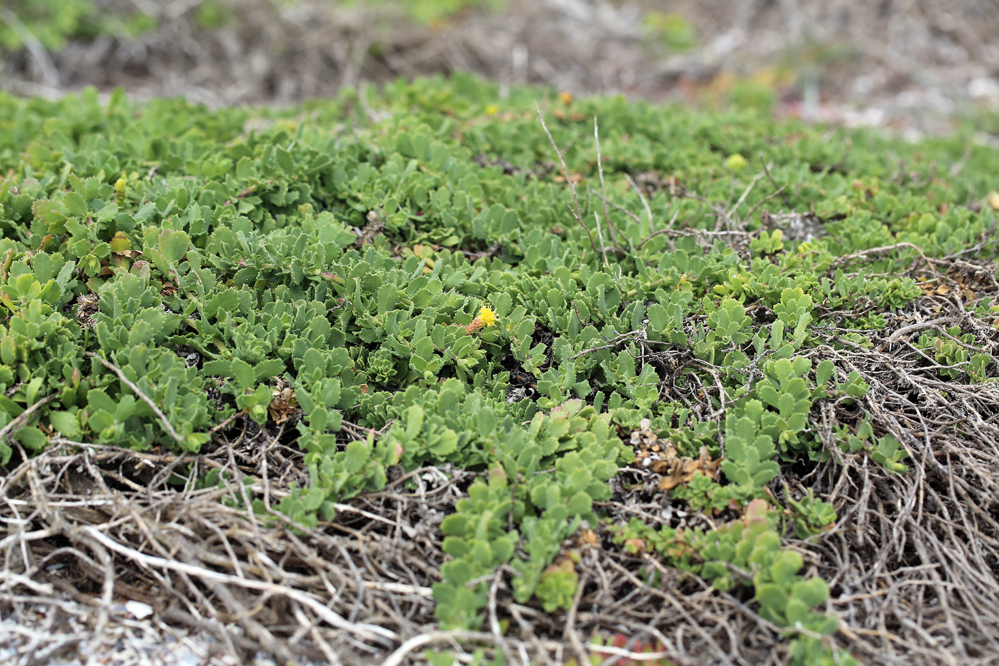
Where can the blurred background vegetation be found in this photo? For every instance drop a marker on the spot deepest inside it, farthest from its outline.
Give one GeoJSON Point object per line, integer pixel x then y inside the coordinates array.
{"type": "Point", "coordinates": [925, 66]}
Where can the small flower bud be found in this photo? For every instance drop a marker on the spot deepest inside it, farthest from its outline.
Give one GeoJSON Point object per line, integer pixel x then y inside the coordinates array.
{"type": "Point", "coordinates": [119, 191]}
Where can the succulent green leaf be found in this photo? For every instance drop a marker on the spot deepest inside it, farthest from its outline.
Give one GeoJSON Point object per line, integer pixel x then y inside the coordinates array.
{"type": "Point", "coordinates": [173, 245]}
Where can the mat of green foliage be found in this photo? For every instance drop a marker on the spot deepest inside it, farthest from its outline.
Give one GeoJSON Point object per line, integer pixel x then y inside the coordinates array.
{"type": "Point", "coordinates": [413, 264]}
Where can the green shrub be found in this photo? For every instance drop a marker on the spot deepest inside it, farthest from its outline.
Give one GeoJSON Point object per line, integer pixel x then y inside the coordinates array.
{"type": "Point", "coordinates": [389, 279]}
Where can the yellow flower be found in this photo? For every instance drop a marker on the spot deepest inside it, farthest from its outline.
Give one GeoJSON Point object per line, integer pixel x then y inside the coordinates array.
{"type": "Point", "coordinates": [487, 317]}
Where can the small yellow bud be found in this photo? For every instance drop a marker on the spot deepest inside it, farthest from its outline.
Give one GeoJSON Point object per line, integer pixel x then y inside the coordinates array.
{"type": "Point", "coordinates": [119, 191]}
{"type": "Point", "coordinates": [736, 162]}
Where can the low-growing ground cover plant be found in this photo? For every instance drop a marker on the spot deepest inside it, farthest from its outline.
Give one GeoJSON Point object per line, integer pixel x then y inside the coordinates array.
{"type": "Point", "coordinates": [438, 278]}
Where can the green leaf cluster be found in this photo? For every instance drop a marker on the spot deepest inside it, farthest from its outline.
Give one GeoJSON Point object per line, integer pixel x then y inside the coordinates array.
{"type": "Point", "coordinates": [546, 504]}
{"type": "Point", "coordinates": [951, 350]}
{"type": "Point", "coordinates": [811, 516]}
{"type": "Point", "coordinates": [884, 450]}
{"type": "Point", "coordinates": [349, 265]}
{"type": "Point", "coordinates": [745, 552]}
